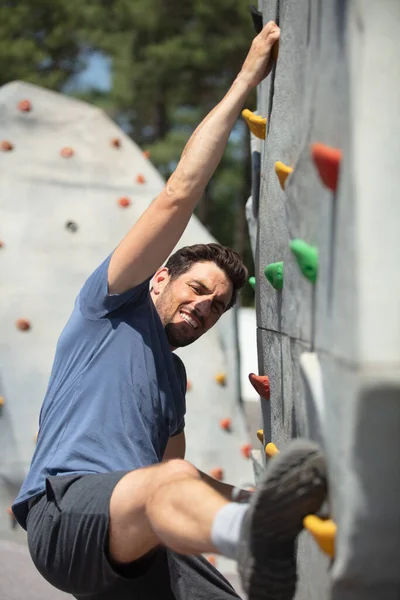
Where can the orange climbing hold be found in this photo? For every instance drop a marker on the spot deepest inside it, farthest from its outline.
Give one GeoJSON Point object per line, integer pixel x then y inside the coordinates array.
{"type": "Point", "coordinates": [23, 324]}
{"type": "Point", "coordinates": [124, 202]}
{"type": "Point", "coordinates": [261, 384]}
{"type": "Point", "coordinates": [271, 450]}
{"type": "Point", "coordinates": [146, 153]}
{"type": "Point", "coordinates": [246, 450]}
{"type": "Point", "coordinates": [323, 531]}
{"type": "Point", "coordinates": [1, 244]}
{"type": "Point", "coordinates": [217, 473]}
{"type": "Point", "coordinates": [226, 424]}
{"type": "Point", "coordinates": [116, 142]}
{"type": "Point", "coordinates": [25, 105]}
{"type": "Point", "coordinates": [66, 152]}
{"type": "Point", "coordinates": [6, 146]}
{"type": "Point", "coordinates": [283, 172]}
{"type": "Point", "coordinates": [212, 560]}
{"type": "Point", "coordinates": [220, 378]}
{"type": "Point", "coordinates": [188, 385]}
{"type": "Point", "coordinates": [2, 402]}
{"type": "Point", "coordinates": [327, 160]}
{"type": "Point", "coordinates": [140, 178]}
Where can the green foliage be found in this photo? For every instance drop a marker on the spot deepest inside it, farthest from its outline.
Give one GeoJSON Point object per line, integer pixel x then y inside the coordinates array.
{"type": "Point", "coordinates": [39, 41]}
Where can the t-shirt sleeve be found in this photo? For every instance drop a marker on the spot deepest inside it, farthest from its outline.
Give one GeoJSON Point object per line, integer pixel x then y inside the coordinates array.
{"type": "Point", "coordinates": [94, 300]}
{"type": "Point", "coordinates": [181, 372]}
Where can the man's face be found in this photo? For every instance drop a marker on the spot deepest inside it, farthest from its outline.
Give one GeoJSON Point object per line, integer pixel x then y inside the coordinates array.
{"type": "Point", "coordinates": [191, 304]}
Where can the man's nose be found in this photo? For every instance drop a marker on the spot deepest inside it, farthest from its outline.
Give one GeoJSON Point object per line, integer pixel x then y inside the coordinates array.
{"type": "Point", "coordinates": [203, 307]}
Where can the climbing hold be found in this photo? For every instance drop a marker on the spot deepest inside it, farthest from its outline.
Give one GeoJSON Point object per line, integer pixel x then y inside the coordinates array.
{"type": "Point", "coordinates": [23, 324]}
{"type": "Point", "coordinates": [226, 424]}
{"type": "Point", "coordinates": [35, 437]}
{"type": "Point", "coordinates": [257, 17]}
{"type": "Point", "coordinates": [1, 244]}
{"type": "Point", "coordinates": [220, 378]}
{"type": "Point", "coordinates": [66, 152]}
{"type": "Point", "coordinates": [124, 202]}
{"type": "Point", "coordinates": [140, 179]}
{"type": "Point", "coordinates": [188, 385]}
{"type": "Point", "coordinates": [274, 273]}
{"type": "Point", "coordinates": [116, 142]}
{"type": "Point", "coordinates": [260, 435]}
{"type": "Point", "coordinates": [283, 172]}
{"type": "Point", "coordinates": [261, 384]}
{"type": "Point", "coordinates": [6, 146]}
{"type": "Point", "coordinates": [146, 153]}
{"type": "Point", "coordinates": [257, 124]}
{"type": "Point", "coordinates": [25, 106]}
{"type": "Point", "coordinates": [327, 160]}
{"type": "Point", "coordinates": [323, 531]}
{"type": "Point", "coordinates": [72, 226]}
{"type": "Point", "coordinates": [217, 473]}
{"type": "Point", "coordinates": [307, 258]}
{"type": "Point", "coordinates": [2, 403]}
{"type": "Point", "coordinates": [252, 282]}
{"type": "Point", "coordinates": [212, 559]}
{"type": "Point", "coordinates": [271, 450]}
{"type": "Point", "coordinates": [246, 450]}
{"type": "Point", "coordinates": [13, 520]}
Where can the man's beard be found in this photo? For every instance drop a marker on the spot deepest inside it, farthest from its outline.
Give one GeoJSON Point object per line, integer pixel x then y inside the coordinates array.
{"type": "Point", "coordinates": [175, 338]}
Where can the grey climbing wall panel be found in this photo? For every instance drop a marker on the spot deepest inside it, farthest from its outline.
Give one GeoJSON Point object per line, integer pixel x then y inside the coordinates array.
{"type": "Point", "coordinates": [336, 82]}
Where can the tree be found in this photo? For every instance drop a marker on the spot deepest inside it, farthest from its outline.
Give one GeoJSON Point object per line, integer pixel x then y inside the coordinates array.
{"type": "Point", "coordinates": [39, 41]}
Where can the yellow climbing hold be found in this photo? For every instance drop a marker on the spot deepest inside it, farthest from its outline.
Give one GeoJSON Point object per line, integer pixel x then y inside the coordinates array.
{"type": "Point", "coordinates": [260, 435]}
{"type": "Point", "coordinates": [271, 449]}
{"type": "Point", "coordinates": [283, 172]}
{"type": "Point", "coordinates": [220, 378]}
{"type": "Point", "coordinates": [2, 401]}
{"type": "Point", "coordinates": [323, 531]}
{"type": "Point", "coordinates": [257, 124]}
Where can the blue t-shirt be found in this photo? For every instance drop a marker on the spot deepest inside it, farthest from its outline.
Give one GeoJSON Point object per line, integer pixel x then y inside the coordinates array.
{"type": "Point", "coordinates": [116, 392]}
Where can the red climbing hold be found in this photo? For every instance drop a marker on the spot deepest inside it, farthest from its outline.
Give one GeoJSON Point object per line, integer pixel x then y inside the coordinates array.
{"type": "Point", "coordinates": [217, 473]}
{"type": "Point", "coordinates": [188, 385]}
{"type": "Point", "coordinates": [246, 450]}
{"type": "Point", "coordinates": [124, 202]}
{"type": "Point", "coordinates": [327, 160]}
{"type": "Point", "coordinates": [67, 152]}
{"type": "Point", "coordinates": [23, 324]}
{"type": "Point", "coordinates": [6, 146]}
{"type": "Point", "coordinates": [146, 153]}
{"type": "Point", "coordinates": [1, 244]}
{"type": "Point", "coordinates": [140, 179]}
{"type": "Point", "coordinates": [226, 424]}
{"type": "Point", "coordinates": [25, 105]}
{"type": "Point", "coordinates": [116, 142]}
{"type": "Point", "coordinates": [261, 384]}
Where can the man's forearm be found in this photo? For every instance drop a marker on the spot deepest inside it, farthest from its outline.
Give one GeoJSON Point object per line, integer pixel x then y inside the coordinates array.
{"type": "Point", "coordinates": [206, 146]}
{"type": "Point", "coordinates": [219, 486]}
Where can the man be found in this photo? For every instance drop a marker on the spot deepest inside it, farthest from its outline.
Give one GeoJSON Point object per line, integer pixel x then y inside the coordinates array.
{"type": "Point", "coordinates": [111, 507]}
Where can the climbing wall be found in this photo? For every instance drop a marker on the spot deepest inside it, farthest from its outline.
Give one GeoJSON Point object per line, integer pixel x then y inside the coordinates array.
{"type": "Point", "coordinates": [325, 204]}
{"type": "Point", "coordinates": [71, 186]}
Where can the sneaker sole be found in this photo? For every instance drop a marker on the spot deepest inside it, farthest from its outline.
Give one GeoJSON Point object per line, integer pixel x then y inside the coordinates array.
{"type": "Point", "coordinates": [294, 486]}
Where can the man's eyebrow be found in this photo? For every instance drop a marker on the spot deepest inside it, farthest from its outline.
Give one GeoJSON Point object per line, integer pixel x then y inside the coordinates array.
{"type": "Point", "coordinates": [207, 290]}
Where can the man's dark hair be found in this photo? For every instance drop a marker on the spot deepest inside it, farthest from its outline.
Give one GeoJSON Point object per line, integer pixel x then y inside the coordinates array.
{"type": "Point", "coordinates": [226, 259]}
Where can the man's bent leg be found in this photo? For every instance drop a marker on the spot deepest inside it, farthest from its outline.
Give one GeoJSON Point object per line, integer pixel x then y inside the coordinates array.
{"type": "Point", "coordinates": [165, 504]}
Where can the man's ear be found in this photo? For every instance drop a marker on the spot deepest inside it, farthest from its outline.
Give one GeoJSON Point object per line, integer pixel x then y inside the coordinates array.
{"type": "Point", "coordinates": [160, 280]}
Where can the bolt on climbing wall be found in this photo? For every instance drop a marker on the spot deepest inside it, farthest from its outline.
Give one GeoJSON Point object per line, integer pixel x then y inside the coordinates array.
{"type": "Point", "coordinates": [71, 186]}
{"type": "Point", "coordinates": [325, 214]}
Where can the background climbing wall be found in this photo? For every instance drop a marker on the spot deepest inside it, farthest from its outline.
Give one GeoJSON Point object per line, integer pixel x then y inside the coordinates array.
{"type": "Point", "coordinates": [336, 82]}
{"type": "Point", "coordinates": [71, 186]}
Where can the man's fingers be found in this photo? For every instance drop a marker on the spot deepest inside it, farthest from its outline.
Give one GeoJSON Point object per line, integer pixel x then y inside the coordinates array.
{"type": "Point", "coordinates": [270, 33]}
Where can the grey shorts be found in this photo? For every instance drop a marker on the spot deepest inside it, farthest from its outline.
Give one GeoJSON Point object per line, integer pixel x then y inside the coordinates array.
{"type": "Point", "coordinates": [68, 540]}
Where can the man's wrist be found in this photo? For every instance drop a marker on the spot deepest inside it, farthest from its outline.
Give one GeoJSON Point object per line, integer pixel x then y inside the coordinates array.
{"type": "Point", "coordinates": [243, 82]}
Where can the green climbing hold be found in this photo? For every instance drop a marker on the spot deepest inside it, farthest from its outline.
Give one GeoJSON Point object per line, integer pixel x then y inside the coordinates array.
{"type": "Point", "coordinates": [274, 273]}
{"type": "Point", "coordinates": [252, 282]}
{"type": "Point", "coordinates": [307, 258]}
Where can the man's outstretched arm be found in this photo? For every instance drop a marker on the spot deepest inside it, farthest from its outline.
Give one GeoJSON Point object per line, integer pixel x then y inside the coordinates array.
{"type": "Point", "coordinates": [153, 237]}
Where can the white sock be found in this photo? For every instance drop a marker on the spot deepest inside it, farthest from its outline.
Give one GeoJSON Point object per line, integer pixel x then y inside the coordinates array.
{"type": "Point", "coordinates": [226, 528]}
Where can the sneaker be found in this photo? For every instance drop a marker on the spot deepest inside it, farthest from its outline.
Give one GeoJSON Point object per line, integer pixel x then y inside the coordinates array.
{"type": "Point", "coordinates": [294, 486]}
